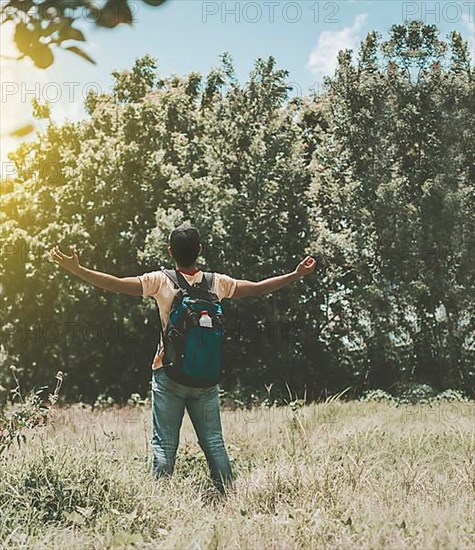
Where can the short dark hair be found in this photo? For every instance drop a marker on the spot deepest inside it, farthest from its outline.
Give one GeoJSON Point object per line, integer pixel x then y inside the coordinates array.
{"type": "Point", "coordinates": [185, 244]}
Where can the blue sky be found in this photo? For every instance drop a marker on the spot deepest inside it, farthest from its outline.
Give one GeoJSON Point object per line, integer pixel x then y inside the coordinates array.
{"type": "Point", "coordinates": [189, 35]}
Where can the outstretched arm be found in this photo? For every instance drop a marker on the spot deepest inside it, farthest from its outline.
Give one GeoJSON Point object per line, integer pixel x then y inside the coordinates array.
{"type": "Point", "coordinates": [267, 286]}
{"type": "Point", "coordinates": [123, 285]}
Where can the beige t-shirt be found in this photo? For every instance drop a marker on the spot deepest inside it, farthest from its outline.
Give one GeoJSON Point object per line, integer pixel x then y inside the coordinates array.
{"type": "Point", "coordinates": [157, 285]}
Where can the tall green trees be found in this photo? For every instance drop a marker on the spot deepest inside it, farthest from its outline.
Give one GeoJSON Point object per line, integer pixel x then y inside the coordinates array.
{"type": "Point", "coordinates": [393, 205]}
{"type": "Point", "coordinates": [374, 177]}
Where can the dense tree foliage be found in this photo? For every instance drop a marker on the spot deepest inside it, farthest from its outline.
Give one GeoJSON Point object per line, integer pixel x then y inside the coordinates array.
{"type": "Point", "coordinates": [393, 190]}
{"type": "Point", "coordinates": [374, 177]}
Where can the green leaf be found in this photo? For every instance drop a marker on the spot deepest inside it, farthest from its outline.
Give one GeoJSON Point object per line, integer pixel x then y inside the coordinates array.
{"type": "Point", "coordinates": [81, 53]}
{"type": "Point", "coordinates": [22, 131]}
{"type": "Point", "coordinates": [154, 2]}
{"type": "Point", "coordinates": [69, 33]}
{"type": "Point", "coordinates": [23, 38]}
{"type": "Point", "coordinates": [42, 56]}
{"type": "Point", "coordinates": [114, 13]}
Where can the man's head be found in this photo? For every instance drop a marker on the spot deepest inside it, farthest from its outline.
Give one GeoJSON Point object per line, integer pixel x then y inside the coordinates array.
{"type": "Point", "coordinates": [184, 245]}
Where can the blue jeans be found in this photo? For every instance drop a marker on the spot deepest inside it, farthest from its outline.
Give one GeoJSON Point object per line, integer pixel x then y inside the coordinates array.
{"type": "Point", "coordinates": [169, 400]}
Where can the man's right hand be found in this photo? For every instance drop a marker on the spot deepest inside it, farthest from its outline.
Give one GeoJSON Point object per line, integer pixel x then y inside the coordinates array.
{"type": "Point", "coordinates": [70, 263]}
{"type": "Point", "coordinates": [267, 286]}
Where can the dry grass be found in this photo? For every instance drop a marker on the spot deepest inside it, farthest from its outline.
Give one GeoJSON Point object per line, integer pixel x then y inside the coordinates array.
{"type": "Point", "coordinates": [341, 475]}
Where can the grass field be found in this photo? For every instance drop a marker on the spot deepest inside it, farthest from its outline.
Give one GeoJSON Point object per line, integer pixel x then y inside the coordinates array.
{"type": "Point", "coordinates": [337, 475]}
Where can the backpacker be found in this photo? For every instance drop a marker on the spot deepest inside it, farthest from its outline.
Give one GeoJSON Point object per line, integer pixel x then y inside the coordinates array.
{"type": "Point", "coordinates": [193, 336]}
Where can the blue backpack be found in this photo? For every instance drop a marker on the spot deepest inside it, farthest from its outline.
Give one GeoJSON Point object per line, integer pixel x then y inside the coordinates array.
{"type": "Point", "coordinates": [193, 336]}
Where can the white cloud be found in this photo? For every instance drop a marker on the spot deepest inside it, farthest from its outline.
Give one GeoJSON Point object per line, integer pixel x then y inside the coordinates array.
{"type": "Point", "coordinates": [323, 58]}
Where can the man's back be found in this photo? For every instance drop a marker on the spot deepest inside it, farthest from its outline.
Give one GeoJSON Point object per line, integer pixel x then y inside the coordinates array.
{"type": "Point", "coordinates": [157, 285]}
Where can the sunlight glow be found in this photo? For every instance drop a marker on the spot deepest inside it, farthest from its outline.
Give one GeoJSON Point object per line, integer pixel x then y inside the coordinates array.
{"type": "Point", "coordinates": [20, 82]}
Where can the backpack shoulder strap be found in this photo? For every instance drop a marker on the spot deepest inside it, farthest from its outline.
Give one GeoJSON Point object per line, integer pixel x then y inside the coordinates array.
{"type": "Point", "coordinates": [208, 281]}
{"type": "Point", "coordinates": [181, 283]}
{"type": "Point", "coordinates": [177, 279]}
{"type": "Point", "coordinates": [171, 274]}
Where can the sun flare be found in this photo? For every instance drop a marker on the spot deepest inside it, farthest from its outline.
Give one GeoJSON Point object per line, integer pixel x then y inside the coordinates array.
{"type": "Point", "coordinates": [20, 82]}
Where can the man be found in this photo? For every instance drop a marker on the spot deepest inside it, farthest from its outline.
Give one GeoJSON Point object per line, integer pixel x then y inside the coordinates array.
{"type": "Point", "coordinates": [169, 397]}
